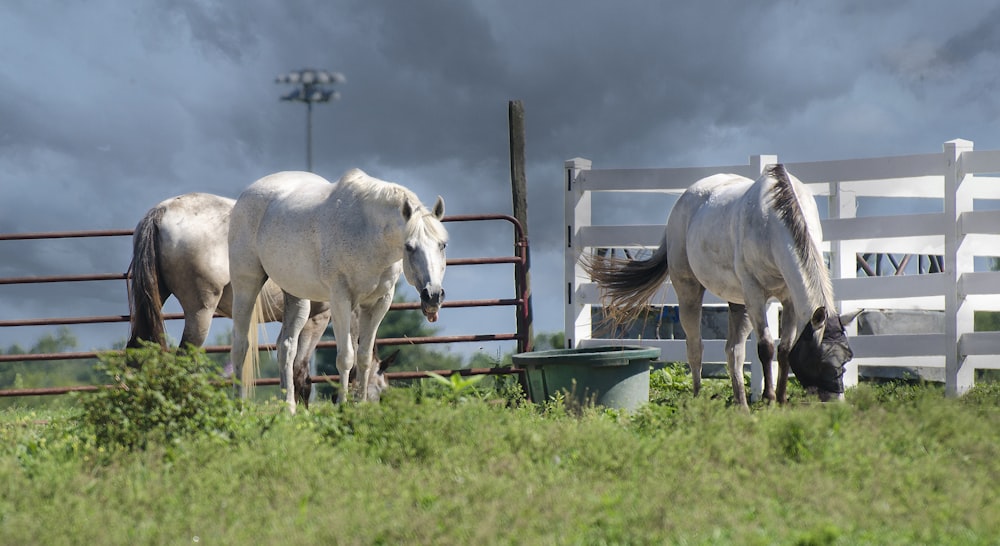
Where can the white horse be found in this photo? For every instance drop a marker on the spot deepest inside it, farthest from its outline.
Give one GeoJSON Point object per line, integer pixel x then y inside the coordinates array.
{"type": "Point", "coordinates": [345, 243]}
{"type": "Point", "coordinates": [181, 247]}
{"type": "Point", "coordinates": [745, 241]}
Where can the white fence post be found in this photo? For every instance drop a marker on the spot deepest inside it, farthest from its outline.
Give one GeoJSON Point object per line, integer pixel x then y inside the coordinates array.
{"type": "Point", "coordinates": [958, 259]}
{"type": "Point", "coordinates": [758, 163]}
{"type": "Point", "coordinates": [844, 262]}
{"type": "Point", "coordinates": [578, 210]}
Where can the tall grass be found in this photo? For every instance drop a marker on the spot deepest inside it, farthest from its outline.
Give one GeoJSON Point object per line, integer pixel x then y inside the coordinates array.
{"type": "Point", "coordinates": [892, 465]}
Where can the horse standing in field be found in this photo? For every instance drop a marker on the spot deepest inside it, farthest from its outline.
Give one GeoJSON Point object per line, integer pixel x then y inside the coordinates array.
{"type": "Point", "coordinates": [745, 241]}
{"type": "Point", "coordinates": [181, 248]}
{"type": "Point", "coordinates": [345, 243]}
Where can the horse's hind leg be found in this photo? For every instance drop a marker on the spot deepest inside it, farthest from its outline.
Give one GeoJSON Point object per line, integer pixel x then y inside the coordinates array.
{"type": "Point", "coordinates": [198, 319]}
{"type": "Point", "coordinates": [295, 317]}
{"type": "Point", "coordinates": [689, 297]}
{"type": "Point", "coordinates": [736, 350]}
{"type": "Point", "coordinates": [246, 286]}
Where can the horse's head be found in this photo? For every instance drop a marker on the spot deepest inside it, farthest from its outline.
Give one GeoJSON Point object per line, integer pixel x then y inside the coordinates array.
{"type": "Point", "coordinates": [423, 254]}
{"type": "Point", "coordinates": [377, 382]}
{"type": "Point", "coordinates": [820, 353]}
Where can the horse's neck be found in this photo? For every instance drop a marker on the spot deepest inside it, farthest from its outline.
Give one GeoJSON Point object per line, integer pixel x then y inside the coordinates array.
{"type": "Point", "coordinates": [804, 270]}
{"type": "Point", "coordinates": [385, 231]}
{"type": "Point", "coordinates": [388, 215]}
{"type": "Point", "coordinates": [808, 287]}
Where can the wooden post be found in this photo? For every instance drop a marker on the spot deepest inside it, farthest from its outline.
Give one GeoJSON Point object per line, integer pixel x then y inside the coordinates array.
{"type": "Point", "coordinates": [519, 191]}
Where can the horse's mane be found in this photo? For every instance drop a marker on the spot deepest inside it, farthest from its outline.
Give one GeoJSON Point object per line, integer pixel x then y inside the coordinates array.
{"type": "Point", "coordinates": [371, 189]}
{"type": "Point", "coordinates": [782, 197]}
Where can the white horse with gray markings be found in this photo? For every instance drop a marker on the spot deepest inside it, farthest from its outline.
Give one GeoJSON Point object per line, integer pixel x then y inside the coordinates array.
{"type": "Point", "coordinates": [745, 241]}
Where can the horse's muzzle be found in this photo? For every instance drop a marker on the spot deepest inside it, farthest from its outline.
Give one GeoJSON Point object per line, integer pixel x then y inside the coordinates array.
{"type": "Point", "coordinates": [825, 395]}
{"type": "Point", "coordinates": [430, 302]}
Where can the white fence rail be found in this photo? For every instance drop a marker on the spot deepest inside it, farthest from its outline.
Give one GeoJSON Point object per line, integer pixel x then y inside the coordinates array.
{"type": "Point", "coordinates": [958, 175]}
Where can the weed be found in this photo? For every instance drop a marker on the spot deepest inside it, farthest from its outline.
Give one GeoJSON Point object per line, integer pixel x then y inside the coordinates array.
{"type": "Point", "coordinates": [171, 397]}
{"type": "Point", "coordinates": [458, 387]}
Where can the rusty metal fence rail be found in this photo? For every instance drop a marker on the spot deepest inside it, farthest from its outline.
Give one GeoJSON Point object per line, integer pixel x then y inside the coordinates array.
{"type": "Point", "coordinates": [520, 302]}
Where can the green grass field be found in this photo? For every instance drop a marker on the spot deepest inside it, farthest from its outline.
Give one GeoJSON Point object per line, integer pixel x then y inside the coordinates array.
{"type": "Point", "coordinates": [894, 464]}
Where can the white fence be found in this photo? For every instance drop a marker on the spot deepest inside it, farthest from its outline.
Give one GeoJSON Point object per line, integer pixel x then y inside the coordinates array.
{"type": "Point", "coordinates": [960, 233]}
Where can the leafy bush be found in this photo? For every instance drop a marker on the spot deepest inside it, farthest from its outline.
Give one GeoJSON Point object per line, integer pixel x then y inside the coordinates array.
{"type": "Point", "coordinates": [170, 397]}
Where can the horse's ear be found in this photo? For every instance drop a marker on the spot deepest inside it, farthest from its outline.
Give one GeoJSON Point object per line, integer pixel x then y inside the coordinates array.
{"type": "Point", "coordinates": [848, 318]}
{"type": "Point", "coordinates": [390, 360]}
{"type": "Point", "coordinates": [818, 320]}
{"type": "Point", "coordinates": [439, 208]}
{"type": "Point", "coordinates": [407, 210]}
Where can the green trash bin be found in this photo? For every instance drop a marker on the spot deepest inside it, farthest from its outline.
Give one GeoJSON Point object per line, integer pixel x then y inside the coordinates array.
{"type": "Point", "coordinates": [612, 376]}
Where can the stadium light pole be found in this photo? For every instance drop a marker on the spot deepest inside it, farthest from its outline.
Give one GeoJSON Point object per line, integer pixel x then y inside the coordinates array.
{"type": "Point", "coordinates": [311, 86]}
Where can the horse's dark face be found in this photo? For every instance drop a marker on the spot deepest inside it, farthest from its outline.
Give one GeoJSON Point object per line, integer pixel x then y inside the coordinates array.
{"type": "Point", "coordinates": [377, 381]}
{"type": "Point", "coordinates": [819, 355]}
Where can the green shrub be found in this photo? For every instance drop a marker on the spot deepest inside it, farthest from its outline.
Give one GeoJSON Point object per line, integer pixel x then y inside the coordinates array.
{"type": "Point", "coordinates": [170, 397]}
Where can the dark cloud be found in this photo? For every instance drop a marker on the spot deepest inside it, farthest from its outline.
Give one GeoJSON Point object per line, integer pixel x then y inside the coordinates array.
{"type": "Point", "coordinates": [109, 109]}
{"type": "Point", "coordinates": [981, 39]}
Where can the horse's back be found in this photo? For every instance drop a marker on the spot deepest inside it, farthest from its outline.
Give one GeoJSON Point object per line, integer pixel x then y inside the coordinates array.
{"type": "Point", "coordinates": [274, 231]}
{"type": "Point", "coordinates": [195, 218]}
{"type": "Point", "coordinates": [707, 208]}
{"type": "Point", "coordinates": [281, 185]}
{"type": "Point", "coordinates": [307, 234]}
{"type": "Point", "coordinates": [272, 195]}
{"type": "Point", "coordinates": [727, 230]}
{"type": "Point", "coordinates": [701, 234]}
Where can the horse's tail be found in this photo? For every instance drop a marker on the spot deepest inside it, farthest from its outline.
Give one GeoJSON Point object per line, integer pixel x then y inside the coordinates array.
{"type": "Point", "coordinates": [627, 284]}
{"type": "Point", "coordinates": [145, 291]}
{"type": "Point", "coordinates": [251, 362]}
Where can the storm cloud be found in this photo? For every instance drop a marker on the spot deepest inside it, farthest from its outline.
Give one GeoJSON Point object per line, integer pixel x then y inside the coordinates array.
{"type": "Point", "coordinates": [108, 107]}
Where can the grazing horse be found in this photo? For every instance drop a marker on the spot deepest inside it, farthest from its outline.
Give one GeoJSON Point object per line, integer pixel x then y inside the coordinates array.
{"type": "Point", "coordinates": [745, 241]}
{"type": "Point", "coordinates": [345, 243]}
{"type": "Point", "coordinates": [377, 382]}
{"type": "Point", "coordinates": [181, 248]}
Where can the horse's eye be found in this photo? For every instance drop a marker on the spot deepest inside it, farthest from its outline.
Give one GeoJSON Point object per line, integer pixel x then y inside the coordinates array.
{"type": "Point", "coordinates": [409, 247]}
{"type": "Point", "coordinates": [444, 245]}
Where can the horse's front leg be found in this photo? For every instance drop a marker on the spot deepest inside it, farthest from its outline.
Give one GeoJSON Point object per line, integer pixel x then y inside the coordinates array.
{"type": "Point", "coordinates": [765, 352]}
{"type": "Point", "coordinates": [369, 319]}
{"type": "Point", "coordinates": [755, 297]}
{"type": "Point", "coordinates": [295, 317]}
{"type": "Point", "coordinates": [789, 332]}
{"type": "Point", "coordinates": [341, 316]}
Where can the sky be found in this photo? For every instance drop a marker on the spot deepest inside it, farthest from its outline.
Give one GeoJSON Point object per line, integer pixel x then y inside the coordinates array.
{"type": "Point", "coordinates": [109, 107]}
